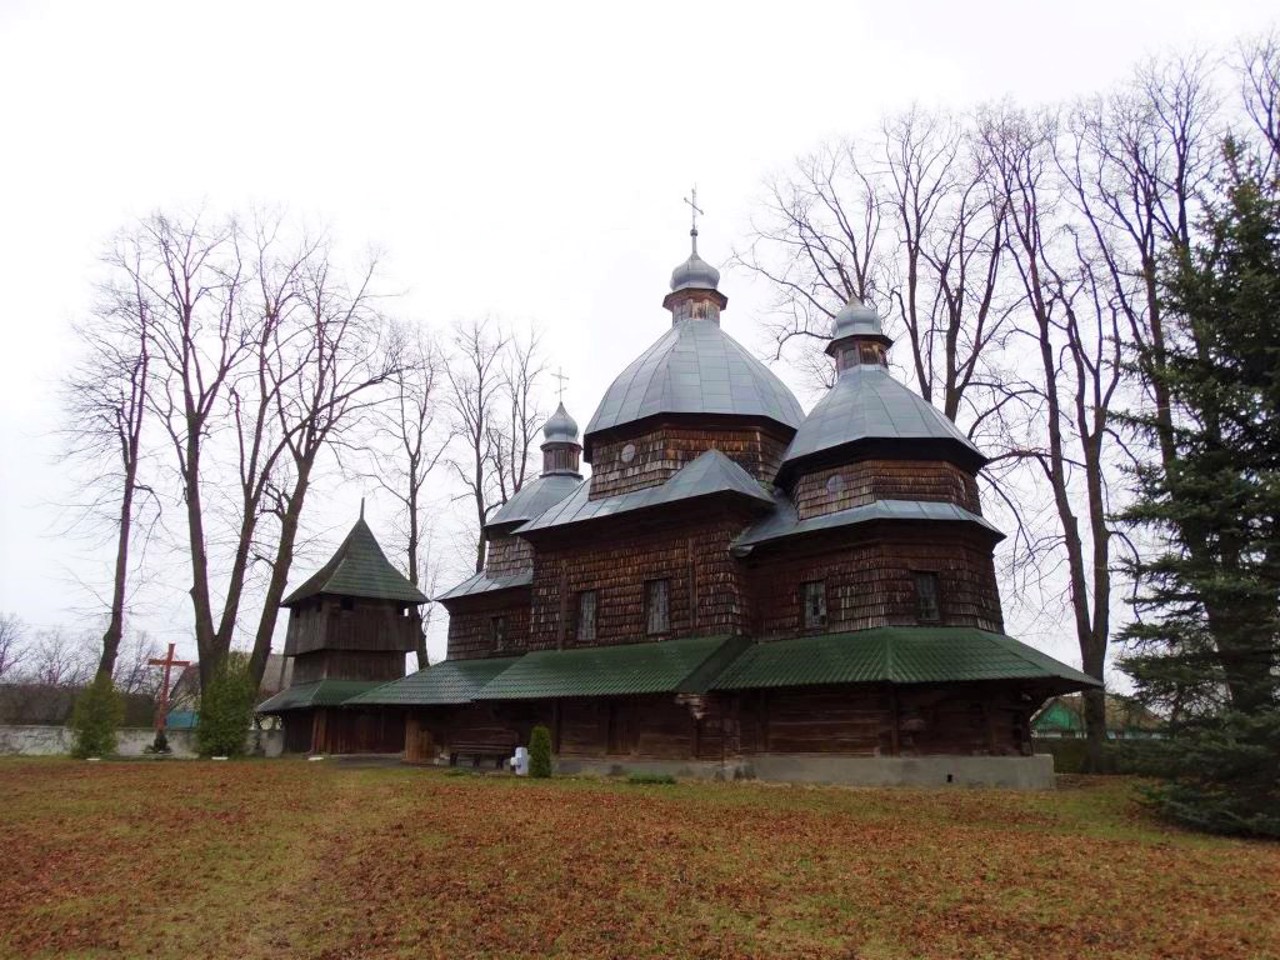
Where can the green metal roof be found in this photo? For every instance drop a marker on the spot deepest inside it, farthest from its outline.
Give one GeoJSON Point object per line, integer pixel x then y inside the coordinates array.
{"type": "Point", "coordinates": [667, 666]}
{"type": "Point", "coordinates": [895, 655]}
{"type": "Point", "coordinates": [317, 693]}
{"type": "Point", "coordinates": [450, 682]}
{"type": "Point", "coordinates": [358, 569]}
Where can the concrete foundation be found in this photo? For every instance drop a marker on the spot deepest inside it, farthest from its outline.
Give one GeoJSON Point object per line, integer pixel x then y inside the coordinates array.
{"type": "Point", "coordinates": [1012, 773]}
{"type": "Point", "coordinates": [49, 741]}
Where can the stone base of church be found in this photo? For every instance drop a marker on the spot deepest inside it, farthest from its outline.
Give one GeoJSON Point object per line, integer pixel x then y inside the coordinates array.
{"type": "Point", "coordinates": [1012, 773]}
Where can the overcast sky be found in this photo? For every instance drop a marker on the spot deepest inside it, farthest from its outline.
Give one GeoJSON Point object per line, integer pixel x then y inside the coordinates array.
{"type": "Point", "coordinates": [522, 161]}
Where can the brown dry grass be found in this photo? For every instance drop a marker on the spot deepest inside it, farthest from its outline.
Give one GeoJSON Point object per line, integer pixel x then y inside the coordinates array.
{"type": "Point", "coordinates": [288, 859]}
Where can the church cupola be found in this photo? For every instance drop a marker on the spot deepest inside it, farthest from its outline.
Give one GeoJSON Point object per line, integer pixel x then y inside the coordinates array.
{"type": "Point", "coordinates": [693, 293]}
{"type": "Point", "coordinates": [560, 447]}
{"type": "Point", "coordinates": [857, 339]}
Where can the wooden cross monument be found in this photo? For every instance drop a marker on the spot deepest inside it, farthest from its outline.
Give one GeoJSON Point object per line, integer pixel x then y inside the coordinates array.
{"type": "Point", "coordinates": [162, 702]}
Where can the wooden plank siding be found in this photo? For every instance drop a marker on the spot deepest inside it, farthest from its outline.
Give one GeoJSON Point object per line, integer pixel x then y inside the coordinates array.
{"type": "Point", "coordinates": [348, 665]}
{"type": "Point", "coordinates": [364, 625]}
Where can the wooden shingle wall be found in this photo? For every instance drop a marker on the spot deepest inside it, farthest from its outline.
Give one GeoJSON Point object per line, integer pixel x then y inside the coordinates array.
{"type": "Point", "coordinates": [707, 586]}
{"type": "Point", "coordinates": [508, 555]}
{"type": "Point", "coordinates": [857, 484]}
{"type": "Point", "coordinates": [872, 583]}
{"type": "Point", "coordinates": [662, 451]}
{"type": "Point", "coordinates": [470, 625]}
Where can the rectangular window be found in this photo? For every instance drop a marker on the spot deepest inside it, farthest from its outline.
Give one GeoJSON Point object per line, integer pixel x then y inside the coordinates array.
{"type": "Point", "coordinates": [815, 604]}
{"type": "Point", "coordinates": [498, 632]}
{"type": "Point", "coordinates": [656, 597]}
{"type": "Point", "coordinates": [587, 615]}
{"type": "Point", "coordinates": [927, 609]}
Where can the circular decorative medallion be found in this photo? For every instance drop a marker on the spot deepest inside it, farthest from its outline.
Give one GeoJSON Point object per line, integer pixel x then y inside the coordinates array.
{"type": "Point", "coordinates": [628, 453]}
{"type": "Point", "coordinates": [835, 483]}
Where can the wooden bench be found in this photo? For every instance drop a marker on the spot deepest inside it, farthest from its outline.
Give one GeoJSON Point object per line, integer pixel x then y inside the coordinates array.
{"type": "Point", "coordinates": [480, 751]}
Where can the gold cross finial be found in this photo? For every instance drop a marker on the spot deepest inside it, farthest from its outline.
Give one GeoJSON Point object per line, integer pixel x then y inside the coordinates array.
{"type": "Point", "coordinates": [559, 375]}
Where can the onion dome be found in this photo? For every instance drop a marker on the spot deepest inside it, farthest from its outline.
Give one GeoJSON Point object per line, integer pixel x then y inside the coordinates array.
{"type": "Point", "coordinates": [560, 428]}
{"type": "Point", "coordinates": [695, 273]}
{"type": "Point", "coordinates": [857, 319]}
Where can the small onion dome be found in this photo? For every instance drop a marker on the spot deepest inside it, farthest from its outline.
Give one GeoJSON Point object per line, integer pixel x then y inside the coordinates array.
{"type": "Point", "coordinates": [856, 319]}
{"type": "Point", "coordinates": [695, 273]}
{"type": "Point", "coordinates": [560, 428]}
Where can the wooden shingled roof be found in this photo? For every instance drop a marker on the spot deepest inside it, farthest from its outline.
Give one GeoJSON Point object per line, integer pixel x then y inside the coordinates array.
{"type": "Point", "coordinates": [358, 568]}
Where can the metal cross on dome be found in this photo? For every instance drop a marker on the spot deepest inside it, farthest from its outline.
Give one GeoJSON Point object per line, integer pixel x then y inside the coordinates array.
{"type": "Point", "coordinates": [692, 201]}
{"type": "Point", "coordinates": [560, 375]}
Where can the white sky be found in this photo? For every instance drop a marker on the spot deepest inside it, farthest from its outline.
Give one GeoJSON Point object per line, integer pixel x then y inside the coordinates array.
{"type": "Point", "coordinates": [524, 161]}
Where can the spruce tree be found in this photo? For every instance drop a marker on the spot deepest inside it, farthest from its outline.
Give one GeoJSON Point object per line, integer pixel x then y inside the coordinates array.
{"type": "Point", "coordinates": [1205, 647]}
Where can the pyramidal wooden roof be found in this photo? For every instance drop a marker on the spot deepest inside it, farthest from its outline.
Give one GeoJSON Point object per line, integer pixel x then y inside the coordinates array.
{"type": "Point", "coordinates": [358, 568]}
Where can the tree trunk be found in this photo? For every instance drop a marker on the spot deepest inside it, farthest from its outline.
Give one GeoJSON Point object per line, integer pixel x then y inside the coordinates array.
{"type": "Point", "coordinates": [279, 573]}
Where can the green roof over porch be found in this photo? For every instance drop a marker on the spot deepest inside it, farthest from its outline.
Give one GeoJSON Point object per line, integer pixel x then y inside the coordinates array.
{"type": "Point", "coordinates": [318, 693]}
{"type": "Point", "coordinates": [895, 655]}
{"type": "Point", "coordinates": [441, 684]}
{"type": "Point", "coordinates": [669, 666]}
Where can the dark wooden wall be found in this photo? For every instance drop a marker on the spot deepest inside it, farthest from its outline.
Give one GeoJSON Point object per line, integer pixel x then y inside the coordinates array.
{"type": "Point", "coordinates": [322, 623]}
{"type": "Point", "coordinates": [871, 584]}
{"type": "Point", "coordinates": [348, 665]}
{"type": "Point", "coordinates": [342, 730]}
{"type": "Point", "coordinates": [508, 555]}
{"type": "Point", "coordinates": [662, 450]}
{"type": "Point", "coordinates": [708, 588]}
{"type": "Point", "coordinates": [849, 720]}
{"type": "Point", "coordinates": [864, 482]}
{"type": "Point", "coordinates": [470, 624]}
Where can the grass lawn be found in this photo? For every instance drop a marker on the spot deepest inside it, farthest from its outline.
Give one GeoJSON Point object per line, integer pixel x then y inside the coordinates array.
{"type": "Point", "coordinates": [293, 859]}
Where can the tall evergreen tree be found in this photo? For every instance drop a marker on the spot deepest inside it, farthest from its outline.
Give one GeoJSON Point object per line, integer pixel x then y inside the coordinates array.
{"type": "Point", "coordinates": [1207, 641]}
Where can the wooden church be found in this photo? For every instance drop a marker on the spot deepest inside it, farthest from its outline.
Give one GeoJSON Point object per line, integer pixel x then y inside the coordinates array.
{"type": "Point", "coordinates": [739, 589]}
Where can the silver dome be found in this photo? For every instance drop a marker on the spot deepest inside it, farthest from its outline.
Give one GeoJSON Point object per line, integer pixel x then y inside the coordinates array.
{"type": "Point", "coordinates": [856, 319]}
{"type": "Point", "coordinates": [560, 428]}
{"type": "Point", "coordinates": [867, 404]}
{"type": "Point", "coordinates": [695, 273]}
{"type": "Point", "coordinates": [695, 367]}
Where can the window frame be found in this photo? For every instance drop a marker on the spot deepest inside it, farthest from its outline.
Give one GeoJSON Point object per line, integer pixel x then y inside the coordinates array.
{"type": "Point", "coordinates": [931, 577]}
{"type": "Point", "coordinates": [579, 632]}
{"type": "Point", "coordinates": [650, 588]}
{"type": "Point", "coordinates": [822, 618]}
{"type": "Point", "coordinates": [498, 631]}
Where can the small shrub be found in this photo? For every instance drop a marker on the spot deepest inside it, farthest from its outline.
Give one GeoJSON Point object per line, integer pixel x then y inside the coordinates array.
{"type": "Point", "coordinates": [540, 752]}
{"type": "Point", "coordinates": [651, 778]}
{"type": "Point", "coordinates": [98, 713]}
{"type": "Point", "coordinates": [226, 709]}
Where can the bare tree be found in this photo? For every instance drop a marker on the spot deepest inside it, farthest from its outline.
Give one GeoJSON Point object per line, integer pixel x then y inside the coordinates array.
{"type": "Point", "coordinates": [416, 444]}
{"type": "Point", "coordinates": [512, 436]}
{"type": "Point", "coordinates": [324, 375]}
{"type": "Point", "coordinates": [1259, 69]}
{"type": "Point", "coordinates": [105, 403]}
{"type": "Point", "coordinates": [134, 673]}
{"type": "Point", "coordinates": [58, 659]}
{"type": "Point", "coordinates": [12, 645]}
{"type": "Point", "coordinates": [1072, 320]}
{"type": "Point", "coordinates": [194, 275]}
{"type": "Point", "coordinates": [816, 245]}
{"type": "Point", "coordinates": [474, 371]}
